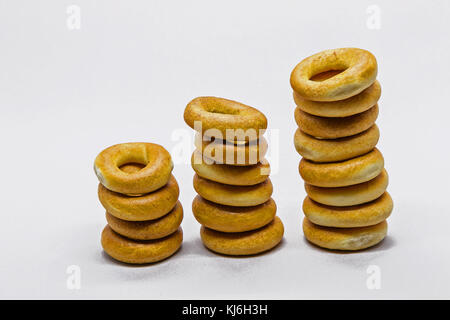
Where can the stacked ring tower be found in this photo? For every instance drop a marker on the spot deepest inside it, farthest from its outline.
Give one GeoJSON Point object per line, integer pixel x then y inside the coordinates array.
{"type": "Point", "coordinates": [234, 204]}
{"type": "Point", "coordinates": [140, 196]}
{"type": "Point", "coordinates": [336, 93]}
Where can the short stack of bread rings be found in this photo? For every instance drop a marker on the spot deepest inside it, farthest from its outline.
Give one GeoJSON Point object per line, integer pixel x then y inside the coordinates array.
{"type": "Point", "coordinates": [336, 93]}
{"type": "Point", "coordinates": [140, 196]}
{"type": "Point", "coordinates": [234, 204]}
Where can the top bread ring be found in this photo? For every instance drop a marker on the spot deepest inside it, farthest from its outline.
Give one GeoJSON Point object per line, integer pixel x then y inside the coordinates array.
{"type": "Point", "coordinates": [359, 70]}
{"type": "Point", "coordinates": [155, 174]}
{"type": "Point", "coordinates": [225, 119]}
{"type": "Point", "coordinates": [342, 108]}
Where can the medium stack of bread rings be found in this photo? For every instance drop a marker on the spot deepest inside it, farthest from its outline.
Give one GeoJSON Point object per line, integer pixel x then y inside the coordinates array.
{"type": "Point", "coordinates": [234, 204]}
{"type": "Point", "coordinates": [336, 93]}
{"type": "Point", "coordinates": [140, 196]}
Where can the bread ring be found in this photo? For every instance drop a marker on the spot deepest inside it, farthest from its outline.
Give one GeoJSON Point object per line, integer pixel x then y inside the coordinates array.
{"type": "Point", "coordinates": [332, 128]}
{"type": "Point", "coordinates": [351, 195]}
{"type": "Point", "coordinates": [237, 196]}
{"type": "Point", "coordinates": [147, 207]}
{"type": "Point", "coordinates": [244, 243]}
{"type": "Point", "coordinates": [341, 108]}
{"type": "Point", "coordinates": [148, 230]}
{"type": "Point", "coordinates": [232, 175]}
{"type": "Point", "coordinates": [359, 72]}
{"type": "Point", "coordinates": [344, 238]}
{"type": "Point", "coordinates": [220, 115]}
{"type": "Point", "coordinates": [140, 251]}
{"type": "Point", "coordinates": [362, 215]}
{"type": "Point", "coordinates": [223, 152]}
{"type": "Point", "coordinates": [345, 173]}
{"type": "Point", "coordinates": [155, 174]}
{"type": "Point", "coordinates": [332, 150]}
{"type": "Point", "coordinates": [232, 219]}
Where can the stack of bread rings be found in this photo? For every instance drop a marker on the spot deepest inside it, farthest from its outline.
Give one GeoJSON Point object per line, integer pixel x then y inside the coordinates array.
{"type": "Point", "coordinates": [234, 204]}
{"type": "Point", "coordinates": [336, 93]}
{"type": "Point", "coordinates": [140, 196]}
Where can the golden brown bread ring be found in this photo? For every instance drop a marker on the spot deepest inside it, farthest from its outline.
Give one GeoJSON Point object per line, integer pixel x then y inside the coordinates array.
{"type": "Point", "coordinates": [362, 215]}
{"type": "Point", "coordinates": [344, 173]}
{"type": "Point", "coordinates": [155, 174]}
{"type": "Point", "coordinates": [220, 115]}
{"type": "Point", "coordinates": [140, 251]}
{"type": "Point", "coordinates": [232, 219]}
{"type": "Point", "coordinates": [148, 230]}
{"type": "Point", "coordinates": [332, 150]}
{"type": "Point", "coordinates": [232, 175]}
{"type": "Point", "coordinates": [344, 238]}
{"type": "Point", "coordinates": [359, 72]}
{"type": "Point", "coordinates": [341, 108]}
{"type": "Point", "coordinates": [146, 207]}
{"type": "Point", "coordinates": [240, 154]}
{"type": "Point", "coordinates": [237, 196]}
{"type": "Point", "coordinates": [351, 195]}
{"type": "Point", "coordinates": [332, 128]}
{"type": "Point", "coordinates": [244, 243]}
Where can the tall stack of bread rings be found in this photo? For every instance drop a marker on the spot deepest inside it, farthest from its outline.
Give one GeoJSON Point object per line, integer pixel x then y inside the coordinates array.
{"type": "Point", "coordinates": [140, 196]}
{"type": "Point", "coordinates": [234, 204]}
{"type": "Point", "coordinates": [336, 93]}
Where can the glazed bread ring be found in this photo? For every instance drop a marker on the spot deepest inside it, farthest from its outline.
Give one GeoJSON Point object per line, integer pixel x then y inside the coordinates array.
{"type": "Point", "coordinates": [344, 238]}
{"type": "Point", "coordinates": [140, 251]}
{"type": "Point", "coordinates": [232, 175]}
{"type": "Point", "coordinates": [148, 230]}
{"type": "Point", "coordinates": [223, 152]}
{"type": "Point", "coordinates": [362, 215]}
{"type": "Point", "coordinates": [232, 219]}
{"type": "Point", "coordinates": [146, 207]}
{"type": "Point", "coordinates": [332, 150]}
{"type": "Point", "coordinates": [332, 128]}
{"type": "Point", "coordinates": [237, 196]}
{"type": "Point", "coordinates": [220, 115]}
{"type": "Point", "coordinates": [341, 108]}
{"type": "Point", "coordinates": [351, 195]}
{"type": "Point", "coordinates": [344, 173]}
{"type": "Point", "coordinates": [359, 70]}
{"type": "Point", "coordinates": [155, 174]}
{"type": "Point", "coordinates": [244, 243]}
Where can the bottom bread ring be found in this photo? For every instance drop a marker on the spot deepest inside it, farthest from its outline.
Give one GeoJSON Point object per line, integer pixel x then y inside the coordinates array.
{"type": "Point", "coordinates": [362, 215]}
{"type": "Point", "coordinates": [244, 243]}
{"type": "Point", "coordinates": [344, 238]}
{"type": "Point", "coordinates": [232, 219]}
{"type": "Point", "coordinates": [139, 251]}
{"type": "Point", "coordinates": [350, 195]}
{"type": "Point", "coordinates": [148, 230]}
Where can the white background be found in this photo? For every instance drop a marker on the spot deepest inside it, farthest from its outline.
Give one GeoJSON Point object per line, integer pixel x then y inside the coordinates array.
{"type": "Point", "coordinates": [128, 74]}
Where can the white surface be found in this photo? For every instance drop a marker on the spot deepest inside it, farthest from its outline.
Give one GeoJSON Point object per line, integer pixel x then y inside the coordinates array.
{"type": "Point", "coordinates": [127, 76]}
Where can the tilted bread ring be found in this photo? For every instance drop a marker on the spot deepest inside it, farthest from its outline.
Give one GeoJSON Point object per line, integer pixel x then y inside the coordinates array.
{"type": "Point", "coordinates": [140, 251]}
{"type": "Point", "coordinates": [220, 115]}
{"type": "Point", "coordinates": [244, 243]}
{"type": "Point", "coordinates": [238, 196]}
{"type": "Point", "coordinates": [344, 173]}
{"type": "Point", "coordinates": [332, 128]}
{"type": "Point", "coordinates": [362, 215]}
{"type": "Point", "coordinates": [360, 70]}
{"type": "Point", "coordinates": [146, 207]}
{"type": "Point", "coordinates": [344, 238]}
{"type": "Point", "coordinates": [232, 219]}
{"type": "Point", "coordinates": [351, 195]}
{"type": "Point", "coordinates": [223, 152]}
{"type": "Point", "coordinates": [341, 108]}
{"type": "Point", "coordinates": [331, 150]}
{"type": "Point", "coordinates": [148, 230]}
{"type": "Point", "coordinates": [233, 175]}
{"type": "Point", "coordinates": [155, 174]}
